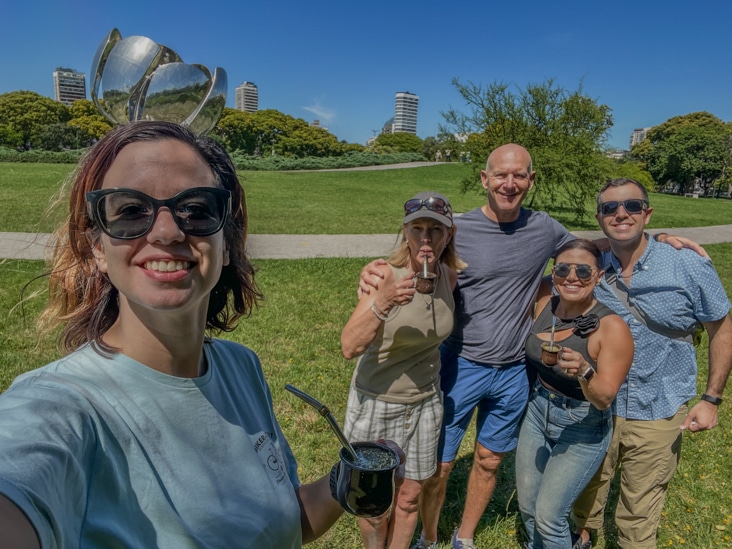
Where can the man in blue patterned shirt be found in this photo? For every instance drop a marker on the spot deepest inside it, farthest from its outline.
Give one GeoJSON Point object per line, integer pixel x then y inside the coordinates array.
{"type": "Point", "coordinates": [664, 295]}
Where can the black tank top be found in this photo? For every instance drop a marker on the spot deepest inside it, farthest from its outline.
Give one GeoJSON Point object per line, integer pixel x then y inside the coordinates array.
{"type": "Point", "coordinates": [553, 375]}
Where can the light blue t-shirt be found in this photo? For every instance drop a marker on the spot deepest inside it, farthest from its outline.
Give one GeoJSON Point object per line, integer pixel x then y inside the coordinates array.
{"type": "Point", "coordinates": [676, 289]}
{"type": "Point", "coordinates": [106, 452]}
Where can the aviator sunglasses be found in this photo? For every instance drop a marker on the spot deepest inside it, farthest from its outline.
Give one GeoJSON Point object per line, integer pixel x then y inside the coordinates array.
{"type": "Point", "coordinates": [632, 206]}
{"type": "Point", "coordinates": [128, 214]}
{"type": "Point", "coordinates": [582, 270]}
{"type": "Point", "coordinates": [433, 204]}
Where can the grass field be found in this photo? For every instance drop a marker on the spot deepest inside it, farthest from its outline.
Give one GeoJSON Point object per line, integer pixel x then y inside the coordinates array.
{"type": "Point", "coordinates": [296, 333]}
{"type": "Point", "coordinates": [343, 202]}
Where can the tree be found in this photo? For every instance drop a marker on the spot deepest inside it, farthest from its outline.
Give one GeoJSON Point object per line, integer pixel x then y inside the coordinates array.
{"type": "Point", "coordinates": [398, 142]}
{"type": "Point", "coordinates": [631, 169]}
{"type": "Point", "coordinates": [57, 137]}
{"type": "Point", "coordinates": [689, 151]}
{"type": "Point", "coordinates": [564, 131]}
{"type": "Point", "coordinates": [271, 132]}
{"type": "Point", "coordinates": [237, 131]}
{"type": "Point", "coordinates": [27, 114]}
{"type": "Point", "coordinates": [305, 140]}
{"type": "Point", "coordinates": [86, 117]}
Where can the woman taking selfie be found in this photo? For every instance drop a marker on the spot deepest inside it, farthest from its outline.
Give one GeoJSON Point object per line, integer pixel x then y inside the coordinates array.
{"type": "Point", "coordinates": [150, 433]}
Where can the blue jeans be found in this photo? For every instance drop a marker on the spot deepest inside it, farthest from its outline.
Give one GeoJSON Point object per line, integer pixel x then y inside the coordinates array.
{"type": "Point", "coordinates": [561, 444]}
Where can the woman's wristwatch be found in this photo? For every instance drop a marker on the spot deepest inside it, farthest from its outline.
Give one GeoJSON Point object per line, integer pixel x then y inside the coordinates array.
{"type": "Point", "coordinates": [588, 373]}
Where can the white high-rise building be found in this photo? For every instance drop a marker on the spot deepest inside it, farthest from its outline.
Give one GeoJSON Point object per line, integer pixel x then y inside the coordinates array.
{"type": "Point", "coordinates": [638, 135]}
{"type": "Point", "coordinates": [405, 112]}
{"type": "Point", "coordinates": [247, 97]}
{"type": "Point", "coordinates": [68, 85]}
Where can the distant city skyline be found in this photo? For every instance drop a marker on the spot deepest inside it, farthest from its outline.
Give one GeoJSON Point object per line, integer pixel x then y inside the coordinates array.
{"type": "Point", "coordinates": [312, 61]}
{"type": "Point", "coordinates": [69, 85]}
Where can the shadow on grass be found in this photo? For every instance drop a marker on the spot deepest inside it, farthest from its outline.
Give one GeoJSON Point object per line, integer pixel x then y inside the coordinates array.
{"type": "Point", "coordinates": [502, 508]}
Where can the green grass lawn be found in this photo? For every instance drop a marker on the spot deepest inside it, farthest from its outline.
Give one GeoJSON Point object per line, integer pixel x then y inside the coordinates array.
{"type": "Point", "coordinates": [343, 202]}
{"type": "Point", "coordinates": [296, 333]}
{"type": "Point", "coordinates": [296, 330]}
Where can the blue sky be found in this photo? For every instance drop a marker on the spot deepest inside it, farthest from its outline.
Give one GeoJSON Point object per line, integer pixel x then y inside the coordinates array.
{"type": "Point", "coordinates": [342, 62]}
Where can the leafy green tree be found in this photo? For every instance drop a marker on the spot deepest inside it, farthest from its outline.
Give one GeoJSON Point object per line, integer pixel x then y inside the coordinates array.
{"type": "Point", "coordinates": [269, 131]}
{"type": "Point", "coordinates": [11, 138]}
{"type": "Point", "coordinates": [27, 114]}
{"type": "Point", "coordinates": [565, 132]}
{"type": "Point", "coordinates": [632, 169]}
{"type": "Point", "coordinates": [237, 130]}
{"type": "Point", "coordinates": [305, 140]}
{"type": "Point", "coordinates": [58, 137]}
{"type": "Point", "coordinates": [86, 117]}
{"type": "Point", "coordinates": [398, 142]}
{"type": "Point", "coordinates": [687, 151]}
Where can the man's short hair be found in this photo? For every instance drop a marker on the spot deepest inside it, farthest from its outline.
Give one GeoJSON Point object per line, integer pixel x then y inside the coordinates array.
{"type": "Point", "coordinates": [619, 183]}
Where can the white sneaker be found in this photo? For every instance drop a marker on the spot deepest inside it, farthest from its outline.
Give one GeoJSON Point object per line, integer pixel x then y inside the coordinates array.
{"type": "Point", "coordinates": [460, 543]}
{"type": "Point", "coordinates": [424, 544]}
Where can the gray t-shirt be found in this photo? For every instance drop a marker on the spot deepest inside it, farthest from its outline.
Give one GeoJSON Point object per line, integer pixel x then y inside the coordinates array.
{"type": "Point", "coordinates": [495, 294]}
{"type": "Point", "coordinates": [106, 452]}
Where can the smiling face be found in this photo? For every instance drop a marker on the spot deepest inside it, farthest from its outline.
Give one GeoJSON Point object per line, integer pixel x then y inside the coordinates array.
{"type": "Point", "coordinates": [572, 288]}
{"type": "Point", "coordinates": [507, 179]}
{"type": "Point", "coordinates": [166, 269]}
{"type": "Point", "coordinates": [623, 228]}
{"type": "Point", "coordinates": [426, 237]}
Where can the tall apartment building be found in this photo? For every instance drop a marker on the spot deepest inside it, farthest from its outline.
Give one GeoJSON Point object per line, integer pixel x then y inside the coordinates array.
{"type": "Point", "coordinates": [405, 112]}
{"type": "Point", "coordinates": [638, 135]}
{"type": "Point", "coordinates": [68, 85]}
{"type": "Point", "coordinates": [247, 97]}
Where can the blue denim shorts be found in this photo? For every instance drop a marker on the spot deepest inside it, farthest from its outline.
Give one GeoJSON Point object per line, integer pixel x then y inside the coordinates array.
{"type": "Point", "coordinates": [499, 393]}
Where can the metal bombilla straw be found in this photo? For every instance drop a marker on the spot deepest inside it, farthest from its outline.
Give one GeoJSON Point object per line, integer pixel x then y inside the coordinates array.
{"type": "Point", "coordinates": [326, 413]}
{"type": "Point", "coordinates": [424, 265]}
{"type": "Point", "coordinates": [551, 336]}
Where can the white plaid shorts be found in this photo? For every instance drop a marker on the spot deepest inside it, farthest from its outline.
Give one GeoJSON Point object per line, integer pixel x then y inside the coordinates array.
{"type": "Point", "coordinates": [414, 427]}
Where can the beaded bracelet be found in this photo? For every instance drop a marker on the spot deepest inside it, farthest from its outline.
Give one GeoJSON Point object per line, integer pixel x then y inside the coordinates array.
{"type": "Point", "coordinates": [381, 315]}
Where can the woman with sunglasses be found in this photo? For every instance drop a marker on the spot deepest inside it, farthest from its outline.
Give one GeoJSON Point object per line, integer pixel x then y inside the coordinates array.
{"type": "Point", "coordinates": [149, 433]}
{"type": "Point", "coordinates": [567, 426]}
{"type": "Point", "coordinates": [396, 331]}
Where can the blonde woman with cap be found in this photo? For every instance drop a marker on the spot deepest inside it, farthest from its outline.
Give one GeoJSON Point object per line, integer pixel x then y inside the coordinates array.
{"type": "Point", "coordinates": [396, 331]}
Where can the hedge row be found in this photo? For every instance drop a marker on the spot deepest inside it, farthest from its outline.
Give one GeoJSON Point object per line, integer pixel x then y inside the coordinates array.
{"type": "Point", "coordinates": [242, 162]}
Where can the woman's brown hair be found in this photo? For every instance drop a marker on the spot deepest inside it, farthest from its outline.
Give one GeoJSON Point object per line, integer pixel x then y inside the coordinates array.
{"type": "Point", "coordinates": [83, 299]}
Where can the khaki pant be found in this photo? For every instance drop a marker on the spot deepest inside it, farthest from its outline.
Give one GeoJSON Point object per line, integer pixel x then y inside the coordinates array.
{"type": "Point", "coordinates": [648, 453]}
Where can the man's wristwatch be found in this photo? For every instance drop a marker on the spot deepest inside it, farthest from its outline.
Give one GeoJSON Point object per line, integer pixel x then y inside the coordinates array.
{"type": "Point", "coordinates": [712, 399]}
{"type": "Point", "coordinates": [588, 373]}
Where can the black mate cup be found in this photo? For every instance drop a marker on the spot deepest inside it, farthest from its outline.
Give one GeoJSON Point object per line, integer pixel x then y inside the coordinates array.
{"type": "Point", "coordinates": [365, 488]}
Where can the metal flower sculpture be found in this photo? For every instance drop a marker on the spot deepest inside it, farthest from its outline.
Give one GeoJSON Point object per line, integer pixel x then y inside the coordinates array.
{"type": "Point", "coordinates": [142, 80]}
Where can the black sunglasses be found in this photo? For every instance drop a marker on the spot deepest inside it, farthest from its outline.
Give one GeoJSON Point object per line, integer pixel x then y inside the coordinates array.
{"type": "Point", "coordinates": [128, 214]}
{"type": "Point", "coordinates": [632, 206]}
{"type": "Point", "coordinates": [582, 270]}
{"type": "Point", "coordinates": [437, 205]}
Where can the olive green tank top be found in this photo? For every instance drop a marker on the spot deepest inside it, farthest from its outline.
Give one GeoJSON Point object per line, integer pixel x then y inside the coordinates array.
{"type": "Point", "coordinates": [402, 364]}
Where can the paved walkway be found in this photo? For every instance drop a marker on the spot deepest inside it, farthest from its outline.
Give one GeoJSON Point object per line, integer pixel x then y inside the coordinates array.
{"type": "Point", "coordinates": [288, 246]}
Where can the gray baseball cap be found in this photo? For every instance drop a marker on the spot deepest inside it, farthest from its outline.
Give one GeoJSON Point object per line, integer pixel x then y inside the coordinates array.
{"type": "Point", "coordinates": [428, 204]}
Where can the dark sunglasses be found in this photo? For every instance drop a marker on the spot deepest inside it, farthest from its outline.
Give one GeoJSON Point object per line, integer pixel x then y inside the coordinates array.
{"type": "Point", "coordinates": [582, 270]}
{"type": "Point", "coordinates": [128, 214]}
{"type": "Point", "coordinates": [632, 206]}
{"type": "Point", "coordinates": [436, 205]}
